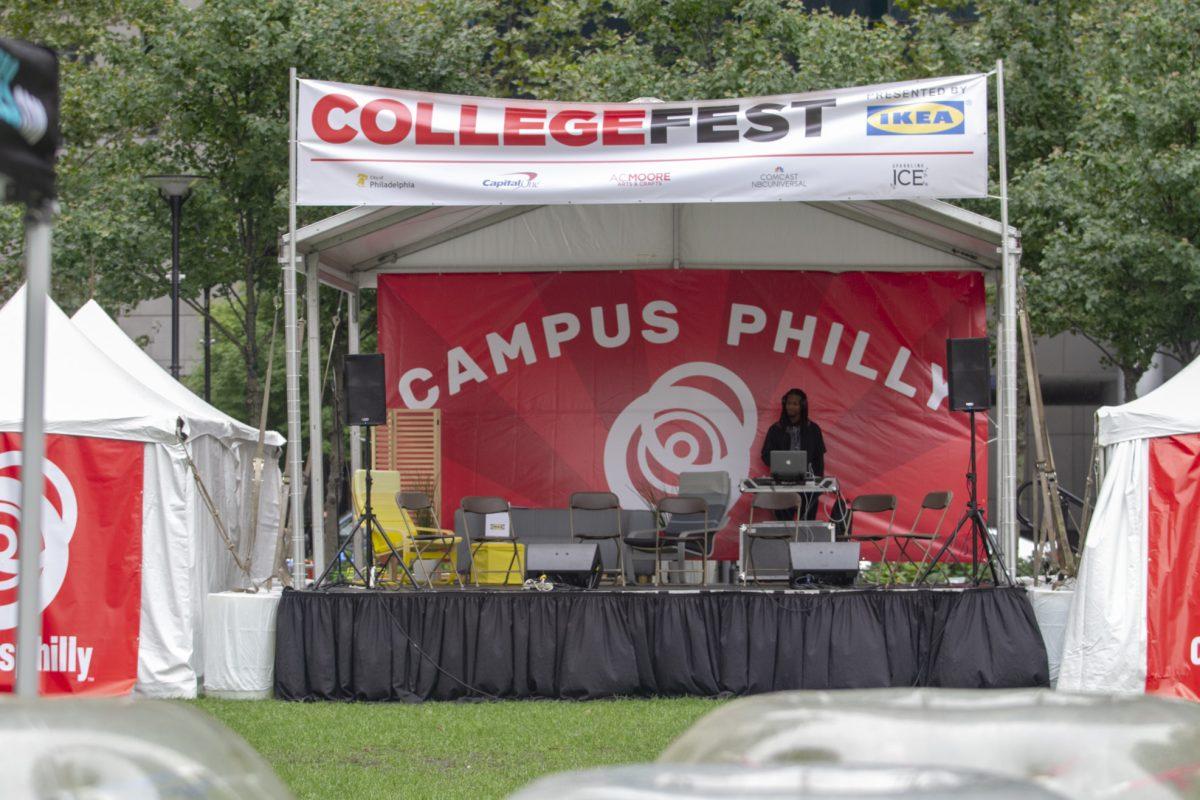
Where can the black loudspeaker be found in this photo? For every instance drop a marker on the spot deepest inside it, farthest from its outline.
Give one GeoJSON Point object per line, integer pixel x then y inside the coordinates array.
{"type": "Point", "coordinates": [970, 379]}
{"type": "Point", "coordinates": [830, 563]}
{"type": "Point", "coordinates": [568, 564]}
{"type": "Point", "coordinates": [365, 403]}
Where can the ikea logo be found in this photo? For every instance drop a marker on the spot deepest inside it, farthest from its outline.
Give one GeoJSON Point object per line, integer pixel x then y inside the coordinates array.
{"type": "Point", "coordinates": [912, 119]}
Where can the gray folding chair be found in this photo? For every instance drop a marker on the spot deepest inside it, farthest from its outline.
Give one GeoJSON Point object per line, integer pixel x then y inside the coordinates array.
{"type": "Point", "coordinates": [874, 504]}
{"type": "Point", "coordinates": [429, 538]}
{"type": "Point", "coordinates": [769, 501]}
{"type": "Point", "coordinates": [482, 506]}
{"type": "Point", "coordinates": [592, 505]}
{"type": "Point", "coordinates": [681, 521]}
{"type": "Point", "coordinates": [933, 502]}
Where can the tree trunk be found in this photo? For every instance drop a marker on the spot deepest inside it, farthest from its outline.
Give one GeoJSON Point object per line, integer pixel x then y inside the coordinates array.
{"type": "Point", "coordinates": [1131, 376]}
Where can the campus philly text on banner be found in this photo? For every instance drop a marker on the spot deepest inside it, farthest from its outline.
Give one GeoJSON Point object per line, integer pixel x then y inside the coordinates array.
{"type": "Point", "coordinates": [360, 145]}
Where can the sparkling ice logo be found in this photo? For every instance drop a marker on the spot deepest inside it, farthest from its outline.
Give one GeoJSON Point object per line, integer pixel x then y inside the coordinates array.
{"type": "Point", "coordinates": [696, 417]}
{"type": "Point", "coordinates": [59, 516]}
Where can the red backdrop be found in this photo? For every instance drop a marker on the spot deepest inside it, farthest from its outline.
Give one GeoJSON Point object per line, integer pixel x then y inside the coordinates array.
{"type": "Point", "coordinates": [551, 383]}
{"type": "Point", "coordinates": [91, 563]}
{"type": "Point", "coordinates": [1173, 578]}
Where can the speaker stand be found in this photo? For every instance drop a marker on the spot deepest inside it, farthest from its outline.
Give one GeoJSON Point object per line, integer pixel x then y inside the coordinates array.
{"type": "Point", "coordinates": [367, 526]}
{"type": "Point", "coordinates": [981, 537]}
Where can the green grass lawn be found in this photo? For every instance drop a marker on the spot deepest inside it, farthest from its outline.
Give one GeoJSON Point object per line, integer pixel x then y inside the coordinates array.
{"type": "Point", "coordinates": [447, 750]}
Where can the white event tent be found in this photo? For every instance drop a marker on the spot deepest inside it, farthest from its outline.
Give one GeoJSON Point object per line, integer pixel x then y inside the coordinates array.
{"type": "Point", "coordinates": [89, 394]}
{"type": "Point", "coordinates": [1109, 636]}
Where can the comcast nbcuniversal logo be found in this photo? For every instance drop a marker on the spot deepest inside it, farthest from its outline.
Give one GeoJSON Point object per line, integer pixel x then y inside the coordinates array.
{"type": "Point", "coordinates": [677, 426]}
{"type": "Point", "coordinates": [59, 517]}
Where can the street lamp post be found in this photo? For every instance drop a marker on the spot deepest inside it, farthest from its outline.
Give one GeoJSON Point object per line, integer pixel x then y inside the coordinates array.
{"type": "Point", "coordinates": [175, 189]}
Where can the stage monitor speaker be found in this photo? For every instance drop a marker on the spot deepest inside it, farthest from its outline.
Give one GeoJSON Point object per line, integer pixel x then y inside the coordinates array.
{"type": "Point", "coordinates": [830, 563]}
{"type": "Point", "coordinates": [365, 404]}
{"type": "Point", "coordinates": [970, 379]}
{"type": "Point", "coordinates": [567, 564]}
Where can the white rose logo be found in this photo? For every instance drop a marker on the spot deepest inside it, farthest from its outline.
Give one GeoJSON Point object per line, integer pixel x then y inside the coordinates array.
{"type": "Point", "coordinates": [59, 515]}
{"type": "Point", "coordinates": [696, 417]}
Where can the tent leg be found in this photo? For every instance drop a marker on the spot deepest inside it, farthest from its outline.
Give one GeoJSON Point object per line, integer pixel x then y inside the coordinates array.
{"type": "Point", "coordinates": [292, 357]}
{"type": "Point", "coordinates": [316, 492]}
{"type": "Point", "coordinates": [1007, 366]}
{"type": "Point", "coordinates": [352, 347]}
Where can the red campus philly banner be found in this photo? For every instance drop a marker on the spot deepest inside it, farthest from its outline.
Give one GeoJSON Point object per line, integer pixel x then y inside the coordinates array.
{"type": "Point", "coordinates": [90, 585]}
{"type": "Point", "coordinates": [552, 383]}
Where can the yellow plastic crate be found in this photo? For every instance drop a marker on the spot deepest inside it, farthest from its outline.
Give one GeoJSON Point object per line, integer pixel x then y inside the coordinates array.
{"type": "Point", "coordinates": [490, 564]}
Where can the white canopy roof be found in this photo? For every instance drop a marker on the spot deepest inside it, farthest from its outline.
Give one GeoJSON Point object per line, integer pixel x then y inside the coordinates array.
{"type": "Point", "coordinates": [1172, 408]}
{"type": "Point", "coordinates": [87, 394]}
{"type": "Point", "coordinates": [903, 235]}
{"type": "Point", "coordinates": [103, 332]}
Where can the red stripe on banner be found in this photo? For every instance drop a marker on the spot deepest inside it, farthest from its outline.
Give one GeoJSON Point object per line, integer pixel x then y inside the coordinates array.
{"type": "Point", "coordinates": [635, 160]}
{"type": "Point", "coordinates": [91, 564]}
{"type": "Point", "coordinates": [1173, 571]}
{"type": "Point", "coordinates": [551, 383]}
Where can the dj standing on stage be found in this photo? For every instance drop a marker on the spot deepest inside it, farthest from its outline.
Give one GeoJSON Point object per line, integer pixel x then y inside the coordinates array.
{"type": "Point", "coordinates": [795, 431]}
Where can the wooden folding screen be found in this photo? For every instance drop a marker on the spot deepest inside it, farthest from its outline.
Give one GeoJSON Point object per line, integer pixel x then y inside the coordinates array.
{"type": "Point", "coordinates": [411, 443]}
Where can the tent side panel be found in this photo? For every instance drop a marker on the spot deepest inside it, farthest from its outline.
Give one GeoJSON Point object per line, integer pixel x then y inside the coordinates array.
{"type": "Point", "coordinates": [1105, 644]}
{"type": "Point", "coordinates": [168, 554]}
{"type": "Point", "coordinates": [1173, 571]}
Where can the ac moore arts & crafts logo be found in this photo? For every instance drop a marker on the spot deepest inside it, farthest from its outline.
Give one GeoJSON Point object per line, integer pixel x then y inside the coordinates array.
{"type": "Point", "coordinates": [779, 178]}
{"type": "Point", "coordinates": [931, 117]}
{"type": "Point", "coordinates": [639, 178]}
{"type": "Point", "coordinates": [697, 416]}
{"type": "Point", "coordinates": [512, 180]}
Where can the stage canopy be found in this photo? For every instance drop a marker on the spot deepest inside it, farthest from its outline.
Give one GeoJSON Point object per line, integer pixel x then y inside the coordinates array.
{"type": "Point", "coordinates": [638, 221]}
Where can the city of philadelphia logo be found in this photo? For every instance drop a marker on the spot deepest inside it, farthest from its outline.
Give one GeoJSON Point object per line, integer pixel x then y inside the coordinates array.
{"type": "Point", "coordinates": [365, 181]}
{"type": "Point", "coordinates": [696, 417]}
{"type": "Point", "coordinates": [512, 180]}
{"type": "Point", "coordinates": [917, 119]}
{"type": "Point", "coordinates": [60, 512]}
{"type": "Point", "coordinates": [909, 174]}
{"type": "Point", "coordinates": [640, 178]}
{"type": "Point", "coordinates": [779, 178]}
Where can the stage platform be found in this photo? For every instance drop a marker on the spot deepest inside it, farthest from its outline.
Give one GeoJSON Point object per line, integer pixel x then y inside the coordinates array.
{"type": "Point", "coordinates": [454, 644]}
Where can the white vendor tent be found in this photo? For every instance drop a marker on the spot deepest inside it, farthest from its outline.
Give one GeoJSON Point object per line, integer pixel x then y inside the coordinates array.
{"type": "Point", "coordinates": [1135, 622]}
{"type": "Point", "coordinates": [89, 395]}
{"type": "Point", "coordinates": [223, 449]}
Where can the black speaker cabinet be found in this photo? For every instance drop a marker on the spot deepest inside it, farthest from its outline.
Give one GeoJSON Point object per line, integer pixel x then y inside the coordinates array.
{"type": "Point", "coordinates": [829, 563]}
{"type": "Point", "coordinates": [568, 564]}
{"type": "Point", "coordinates": [365, 404]}
{"type": "Point", "coordinates": [970, 378]}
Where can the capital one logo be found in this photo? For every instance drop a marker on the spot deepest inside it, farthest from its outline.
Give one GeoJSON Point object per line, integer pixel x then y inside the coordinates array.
{"type": "Point", "coordinates": [697, 417]}
{"type": "Point", "coordinates": [59, 515]}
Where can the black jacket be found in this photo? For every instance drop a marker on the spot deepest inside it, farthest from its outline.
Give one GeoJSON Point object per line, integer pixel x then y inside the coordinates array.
{"type": "Point", "coordinates": [811, 441]}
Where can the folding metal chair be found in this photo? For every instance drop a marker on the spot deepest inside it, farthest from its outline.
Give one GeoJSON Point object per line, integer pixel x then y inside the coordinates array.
{"type": "Point", "coordinates": [934, 501]}
{"type": "Point", "coordinates": [594, 503]}
{"type": "Point", "coordinates": [483, 506]}
{"type": "Point", "coordinates": [874, 504]}
{"type": "Point", "coordinates": [424, 539]}
{"type": "Point", "coordinates": [769, 501]}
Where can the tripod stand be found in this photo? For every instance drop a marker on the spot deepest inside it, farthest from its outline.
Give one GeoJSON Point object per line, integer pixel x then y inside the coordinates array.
{"type": "Point", "coordinates": [980, 536]}
{"type": "Point", "coordinates": [367, 525]}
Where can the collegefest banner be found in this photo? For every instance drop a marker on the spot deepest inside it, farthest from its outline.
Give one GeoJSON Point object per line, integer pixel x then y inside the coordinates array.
{"type": "Point", "coordinates": [360, 145]}
{"type": "Point", "coordinates": [552, 383]}
{"type": "Point", "coordinates": [91, 560]}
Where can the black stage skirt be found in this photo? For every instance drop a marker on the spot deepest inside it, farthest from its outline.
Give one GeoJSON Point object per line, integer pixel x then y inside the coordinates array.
{"type": "Point", "coordinates": [452, 644]}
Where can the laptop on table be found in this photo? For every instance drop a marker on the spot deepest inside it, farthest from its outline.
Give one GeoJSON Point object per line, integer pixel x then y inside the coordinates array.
{"type": "Point", "coordinates": [789, 466]}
